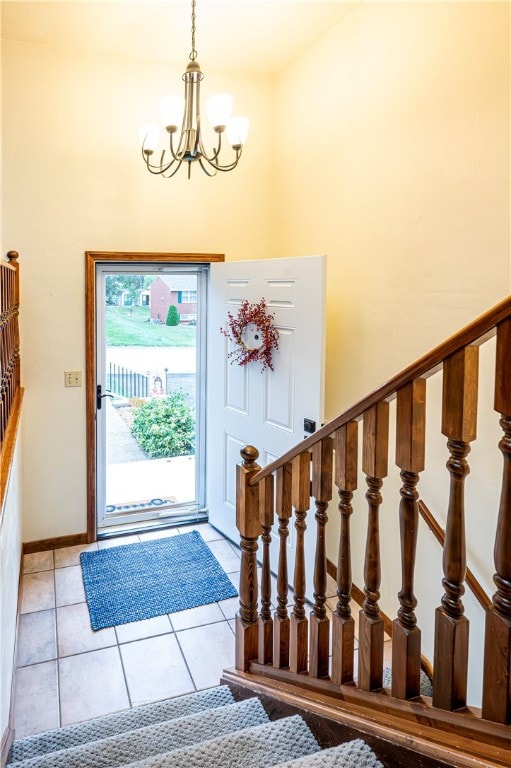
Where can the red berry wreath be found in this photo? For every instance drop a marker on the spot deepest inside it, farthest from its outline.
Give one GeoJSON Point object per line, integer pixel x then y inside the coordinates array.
{"type": "Point", "coordinates": [253, 334]}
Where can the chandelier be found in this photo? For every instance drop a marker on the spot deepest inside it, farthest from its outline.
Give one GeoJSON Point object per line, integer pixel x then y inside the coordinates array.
{"type": "Point", "coordinates": [189, 146]}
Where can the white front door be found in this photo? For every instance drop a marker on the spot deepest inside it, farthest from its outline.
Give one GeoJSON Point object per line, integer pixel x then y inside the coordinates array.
{"type": "Point", "coordinates": [266, 408]}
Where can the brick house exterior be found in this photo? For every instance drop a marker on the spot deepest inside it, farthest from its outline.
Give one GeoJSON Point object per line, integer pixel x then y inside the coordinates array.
{"type": "Point", "coordinates": [180, 290]}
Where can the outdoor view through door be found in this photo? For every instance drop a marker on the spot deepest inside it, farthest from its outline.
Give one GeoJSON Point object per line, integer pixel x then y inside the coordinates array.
{"type": "Point", "coordinates": [148, 399]}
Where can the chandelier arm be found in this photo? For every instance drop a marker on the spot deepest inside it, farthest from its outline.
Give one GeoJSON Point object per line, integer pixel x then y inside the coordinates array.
{"type": "Point", "coordinates": [161, 168]}
{"type": "Point", "coordinates": [166, 175]}
{"type": "Point", "coordinates": [227, 166]}
{"type": "Point", "coordinates": [212, 158]}
{"type": "Point", "coordinates": [205, 169]}
{"type": "Point", "coordinates": [175, 154]}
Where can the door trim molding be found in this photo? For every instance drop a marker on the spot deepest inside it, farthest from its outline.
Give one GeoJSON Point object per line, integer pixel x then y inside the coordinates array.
{"type": "Point", "coordinates": [112, 257]}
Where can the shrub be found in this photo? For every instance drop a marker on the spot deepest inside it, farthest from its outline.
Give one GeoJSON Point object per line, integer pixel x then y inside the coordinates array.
{"type": "Point", "coordinates": [172, 316]}
{"type": "Point", "coordinates": [165, 426]}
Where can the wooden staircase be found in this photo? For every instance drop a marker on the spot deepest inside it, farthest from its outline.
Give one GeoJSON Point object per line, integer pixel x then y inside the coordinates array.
{"type": "Point", "coordinates": [310, 660]}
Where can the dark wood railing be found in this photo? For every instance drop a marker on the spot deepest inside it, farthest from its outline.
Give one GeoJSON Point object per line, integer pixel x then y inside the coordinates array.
{"type": "Point", "coordinates": [10, 391]}
{"type": "Point", "coordinates": [294, 649]}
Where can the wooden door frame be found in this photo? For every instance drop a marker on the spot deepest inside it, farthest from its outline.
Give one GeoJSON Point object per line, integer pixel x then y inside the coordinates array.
{"type": "Point", "coordinates": [112, 257]}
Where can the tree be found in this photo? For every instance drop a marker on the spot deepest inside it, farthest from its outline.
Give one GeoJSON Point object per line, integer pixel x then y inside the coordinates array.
{"type": "Point", "coordinates": [115, 284]}
{"type": "Point", "coordinates": [172, 315]}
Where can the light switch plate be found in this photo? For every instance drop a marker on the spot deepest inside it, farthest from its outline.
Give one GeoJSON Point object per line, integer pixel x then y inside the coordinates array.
{"type": "Point", "coordinates": [73, 378]}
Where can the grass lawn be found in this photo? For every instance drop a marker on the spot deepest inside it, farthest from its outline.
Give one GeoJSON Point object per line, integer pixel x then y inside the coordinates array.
{"type": "Point", "coordinates": [130, 327]}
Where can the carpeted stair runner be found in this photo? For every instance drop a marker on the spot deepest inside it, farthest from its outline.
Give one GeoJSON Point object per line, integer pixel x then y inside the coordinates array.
{"type": "Point", "coordinates": [201, 730]}
{"type": "Point", "coordinates": [161, 737]}
{"type": "Point", "coordinates": [119, 722]}
{"type": "Point", "coordinates": [263, 745]}
{"type": "Point", "coordinates": [352, 754]}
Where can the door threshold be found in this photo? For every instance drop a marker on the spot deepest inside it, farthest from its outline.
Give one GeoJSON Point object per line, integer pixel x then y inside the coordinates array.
{"type": "Point", "coordinates": [128, 529]}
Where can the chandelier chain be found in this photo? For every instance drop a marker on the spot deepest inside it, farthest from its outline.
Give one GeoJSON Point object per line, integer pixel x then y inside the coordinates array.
{"type": "Point", "coordinates": [193, 53]}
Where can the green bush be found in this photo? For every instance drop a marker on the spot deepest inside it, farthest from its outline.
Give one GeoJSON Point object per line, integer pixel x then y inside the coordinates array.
{"type": "Point", "coordinates": [165, 426]}
{"type": "Point", "coordinates": [172, 316]}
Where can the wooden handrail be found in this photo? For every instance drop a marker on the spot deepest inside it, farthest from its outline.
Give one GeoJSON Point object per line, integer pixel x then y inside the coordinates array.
{"type": "Point", "coordinates": [438, 532]}
{"type": "Point", "coordinates": [10, 391]}
{"type": "Point", "coordinates": [476, 332]}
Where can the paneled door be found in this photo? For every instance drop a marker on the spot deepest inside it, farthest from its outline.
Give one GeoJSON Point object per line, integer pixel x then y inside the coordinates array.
{"type": "Point", "coordinates": [267, 408]}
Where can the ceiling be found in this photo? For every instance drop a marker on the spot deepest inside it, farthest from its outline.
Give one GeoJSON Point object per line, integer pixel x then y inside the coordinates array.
{"type": "Point", "coordinates": [256, 36]}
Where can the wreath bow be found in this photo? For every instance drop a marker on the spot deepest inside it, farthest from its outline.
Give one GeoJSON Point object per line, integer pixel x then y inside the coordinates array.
{"type": "Point", "coordinates": [253, 334]}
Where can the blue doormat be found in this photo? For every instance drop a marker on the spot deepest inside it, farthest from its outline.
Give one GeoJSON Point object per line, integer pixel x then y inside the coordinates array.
{"type": "Point", "coordinates": [140, 581]}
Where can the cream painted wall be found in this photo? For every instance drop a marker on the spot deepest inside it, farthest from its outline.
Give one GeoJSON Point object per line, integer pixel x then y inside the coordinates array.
{"type": "Point", "coordinates": [10, 559]}
{"type": "Point", "coordinates": [393, 136]}
{"type": "Point", "coordinates": [73, 180]}
{"type": "Point", "coordinates": [400, 120]}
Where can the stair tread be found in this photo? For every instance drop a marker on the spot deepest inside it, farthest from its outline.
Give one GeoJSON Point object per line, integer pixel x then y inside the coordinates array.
{"type": "Point", "coordinates": [351, 754]}
{"type": "Point", "coordinates": [119, 722]}
{"type": "Point", "coordinates": [255, 747]}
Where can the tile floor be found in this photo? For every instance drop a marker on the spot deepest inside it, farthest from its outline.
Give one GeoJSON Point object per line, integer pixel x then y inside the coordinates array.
{"type": "Point", "coordinates": [67, 673]}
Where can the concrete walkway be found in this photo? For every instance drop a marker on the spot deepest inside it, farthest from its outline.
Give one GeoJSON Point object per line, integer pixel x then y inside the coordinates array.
{"type": "Point", "coordinates": [132, 477]}
{"type": "Point", "coordinates": [121, 446]}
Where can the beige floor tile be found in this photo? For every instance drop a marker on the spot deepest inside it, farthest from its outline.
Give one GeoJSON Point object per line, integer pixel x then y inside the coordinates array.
{"type": "Point", "coordinates": [74, 633]}
{"type": "Point", "coordinates": [195, 617]}
{"type": "Point", "coordinates": [91, 684]}
{"type": "Point", "coordinates": [206, 530]}
{"type": "Point", "coordinates": [138, 630]}
{"type": "Point", "coordinates": [37, 592]}
{"type": "Point", "coordinates": [36, 704]}
{"type": "Point", "coordinates": [161, 534]}
{"type": "Point", "coordinates": [69, 585]}
{"type": "Point", "coordinates": [208, 651]}
{"type": "Point", "coordinates": [38, 561]}
{"type": "Point", "coordinates": [155, 669]}
{"type": "Point", "coordinates": [37, 638]}
{"type": "Point", "coordinates": [71, 555]}
{"type": "Point", "coordinates": [226, 555]}
{"type": "Point", "coordinates": [118, 541]}
{"type": "Point", "coordinates": [230, 607]}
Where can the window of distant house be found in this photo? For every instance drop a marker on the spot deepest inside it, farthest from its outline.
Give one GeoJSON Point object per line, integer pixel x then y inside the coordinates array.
{"type": "Point", "coordinates": [187, 297]}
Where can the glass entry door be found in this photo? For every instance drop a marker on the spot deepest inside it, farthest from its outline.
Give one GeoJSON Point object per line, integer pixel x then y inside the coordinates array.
{"type": "Point", "coordinates": [150, 325]}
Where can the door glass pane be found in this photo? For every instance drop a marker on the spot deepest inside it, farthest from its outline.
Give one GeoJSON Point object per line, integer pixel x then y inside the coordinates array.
{"type": "Point", "coordinates": [150, 411]}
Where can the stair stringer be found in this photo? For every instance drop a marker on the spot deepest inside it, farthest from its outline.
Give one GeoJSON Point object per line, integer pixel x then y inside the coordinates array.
{"type": "Point", "coordinates": [404, 735]}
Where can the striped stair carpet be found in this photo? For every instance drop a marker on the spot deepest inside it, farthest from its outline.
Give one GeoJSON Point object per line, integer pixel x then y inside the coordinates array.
{"type": "Point", "coordinates": [207, 729]}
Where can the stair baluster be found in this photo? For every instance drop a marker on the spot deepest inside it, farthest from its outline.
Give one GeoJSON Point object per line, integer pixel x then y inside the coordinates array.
{"type": "Point", "coordinates": [343, 624]}
{"type": "Point", "coordinates": [298, 652]}
{"type": "Point", "coordinates": [281, 618]}
{"type": "Point", "coordinates": [249, 526]}
{"type": "Point", "coordinates": [375, 466]}
{"type": "Point", "coordinates": [410, 458]}
{"type": "Point", "coordinates": [322, 463]}
{"type": "Point", "coordinates": [459, 417]}
{"type": "Point", "coordinates": [266, 500]}
{"type": "Point", "coordinates": [497, 658]}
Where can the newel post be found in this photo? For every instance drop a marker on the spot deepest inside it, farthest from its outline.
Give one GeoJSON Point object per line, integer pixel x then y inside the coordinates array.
{"type": "Point", "coordinates": [497, 651]}
{"type": "Point", "coordinates": [249, 526]}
